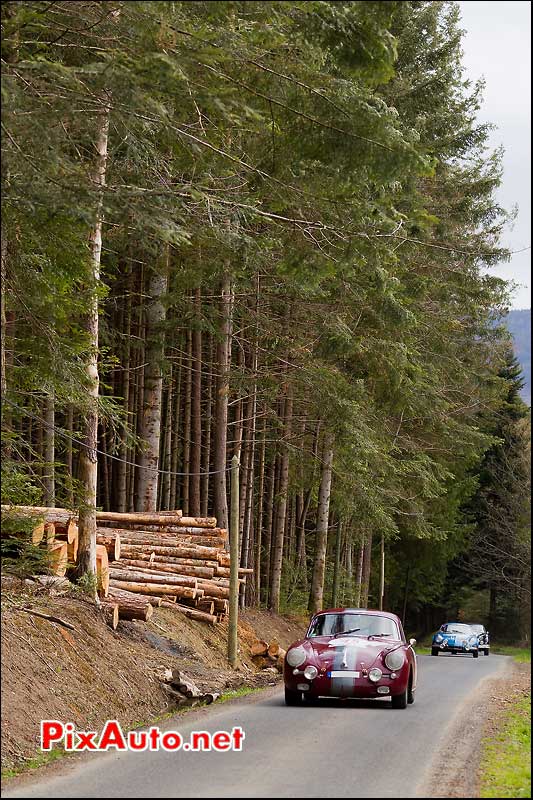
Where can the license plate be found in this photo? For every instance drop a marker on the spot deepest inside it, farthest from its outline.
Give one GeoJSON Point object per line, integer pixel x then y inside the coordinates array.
{"type": "Point", "coordinates": [343, 673]}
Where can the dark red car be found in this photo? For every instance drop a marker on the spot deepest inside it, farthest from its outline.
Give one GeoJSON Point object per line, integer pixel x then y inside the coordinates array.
{"type": "Point", "coordinates": [351, 652]}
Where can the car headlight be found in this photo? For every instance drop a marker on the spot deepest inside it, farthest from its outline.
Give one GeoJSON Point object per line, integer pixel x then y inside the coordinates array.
{"type": "Point", "coordinates": [310, 672]}
{"type": "Point", "coordinates": [296, 656]}
{"type": "Point", "coordinates": [438, 638]}
{"type": "Point", "coordinates": [394, 660]}
{"type": "Point", "coordinates": [375, 674]}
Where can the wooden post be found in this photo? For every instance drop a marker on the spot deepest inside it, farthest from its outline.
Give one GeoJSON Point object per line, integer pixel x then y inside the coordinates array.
{"type": "Point", "coordinates": [382, 576]}
{"type": "Point", "coordinates": [234, 563]}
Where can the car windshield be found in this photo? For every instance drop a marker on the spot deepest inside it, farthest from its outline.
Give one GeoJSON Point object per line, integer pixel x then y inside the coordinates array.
{"type": "Point", "coordinates": [456, 628]}
{"type": "Point", "coordinates": [360, 624]}
{"type": "Point", "coordinates": [478, 628]}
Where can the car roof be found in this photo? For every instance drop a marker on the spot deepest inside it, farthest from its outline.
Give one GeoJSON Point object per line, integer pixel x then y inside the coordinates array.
{"type": "Point", "coordinates": [457, 623]}
{"type": "Point", "coordinates": [369, 611]}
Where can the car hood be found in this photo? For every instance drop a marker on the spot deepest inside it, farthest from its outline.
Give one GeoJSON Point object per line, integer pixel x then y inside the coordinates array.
{"type": "Point", "coordinates": [456, 637]}
{"type": "Point", "coordinates": [347, 652]}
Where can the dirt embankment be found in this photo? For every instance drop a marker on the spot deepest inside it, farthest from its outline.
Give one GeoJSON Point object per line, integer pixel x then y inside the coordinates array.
{"type": "Point", "coordinates": [92, 674]}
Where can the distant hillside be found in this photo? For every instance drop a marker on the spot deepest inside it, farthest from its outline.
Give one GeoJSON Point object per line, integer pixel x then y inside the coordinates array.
{"type": "Point", "coordinates": [519, 324]}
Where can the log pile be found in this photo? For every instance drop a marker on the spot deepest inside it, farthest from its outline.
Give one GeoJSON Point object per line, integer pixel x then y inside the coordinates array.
{"type": "Point", "coordinates": [267, 656]}
{"type": "Point", "coordinates": [179, 559]}
{"type": "Point", "coordinates": [146, 560]}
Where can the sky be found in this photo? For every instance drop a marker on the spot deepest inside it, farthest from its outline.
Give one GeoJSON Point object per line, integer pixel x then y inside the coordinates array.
{"type": "Point", "coordinates": [497, 47]}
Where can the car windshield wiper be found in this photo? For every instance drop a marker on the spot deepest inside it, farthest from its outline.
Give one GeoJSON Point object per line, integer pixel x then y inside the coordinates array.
{"type": "Point", "coordinates": [345, 633]}
{"type": "Point", "coordinates": [374, 635]}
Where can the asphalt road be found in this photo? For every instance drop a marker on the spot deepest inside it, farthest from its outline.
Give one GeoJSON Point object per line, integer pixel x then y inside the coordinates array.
{"type": "Point", "coordinates": [335, 749]}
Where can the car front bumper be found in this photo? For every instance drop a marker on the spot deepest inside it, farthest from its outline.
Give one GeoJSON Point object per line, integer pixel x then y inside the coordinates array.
{"type": "Point", "coordinates": [454, 648]}
{"type": "Point", "coordinates": [325, 685]}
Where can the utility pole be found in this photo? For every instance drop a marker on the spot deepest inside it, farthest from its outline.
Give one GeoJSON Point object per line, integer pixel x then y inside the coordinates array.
{"type": "Point", "coordinates": [382, 577]}
{"type": "Point", "coordinates": [234, 563]}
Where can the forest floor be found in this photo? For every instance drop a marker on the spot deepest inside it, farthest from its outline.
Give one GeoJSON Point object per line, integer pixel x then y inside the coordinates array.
{"type": "Point", "coordinates": [93, 673]}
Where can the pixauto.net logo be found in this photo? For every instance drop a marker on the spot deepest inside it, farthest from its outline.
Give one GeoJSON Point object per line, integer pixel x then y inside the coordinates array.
{"type": "Point", "coordinates": [112, 737]}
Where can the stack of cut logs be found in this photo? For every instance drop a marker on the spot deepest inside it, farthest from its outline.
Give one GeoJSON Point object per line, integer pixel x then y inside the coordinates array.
{"type": "Point", "coordinates": [146, 560]}
{"type": "Point", "coordinates": [265, 655]}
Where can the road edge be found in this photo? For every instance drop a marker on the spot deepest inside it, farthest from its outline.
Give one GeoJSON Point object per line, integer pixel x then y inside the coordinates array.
{"type": "Point", "coordinates": [70, 761]}
{"type": "Point", "coordinates": [460, 747]}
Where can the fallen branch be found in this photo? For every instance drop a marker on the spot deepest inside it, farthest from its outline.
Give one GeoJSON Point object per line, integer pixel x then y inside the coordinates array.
{"type": "Point", "coordinates": [49, 617]}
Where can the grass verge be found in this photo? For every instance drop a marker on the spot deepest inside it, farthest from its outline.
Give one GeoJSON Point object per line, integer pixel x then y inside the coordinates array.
{"type": "Point", "coordinates": [506, 762]}
{"type": "Point", "coordinates": [39, 760]}
{"type": "Point", "coordinates": [521, 654]}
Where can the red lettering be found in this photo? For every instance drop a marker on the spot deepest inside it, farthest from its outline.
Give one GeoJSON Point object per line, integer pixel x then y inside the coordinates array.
{"type": "Point", "coordinates": [112, 736]}
{"type": "Point", "coordinates": [69, 736]}
{"type": "Point", "coordinates": [200, 737]}
{"type": "Point", "coordinates": [238, 736]}
{"type": "Point", "coordinates": [171, 741]}
{"type": "Point", "coordinates": [51, 731]}
{"type": "Point", "coordinates": [221, 740]}
{"type": "Point", "coordinates": [137, 740]}
{"type": "Point", "coordinates": [86, 740]}
{"type": "Point", "coordinates": [154, 738]}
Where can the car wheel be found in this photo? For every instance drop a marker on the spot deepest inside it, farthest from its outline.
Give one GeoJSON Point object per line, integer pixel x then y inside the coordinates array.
{"type": "Point", "coordinates": [434, 651]}
{"type": "Point", "coordinates": [400, 700]}
{"type": "Point", "coordinates": [410, 691]}
{"type": "Point", "coordinates": [475, 653]}
{"type": "Point", "coordinates": [310, 699]}
{"type": "Point", "coordinates": [293, 698]}
{"type": "Point", "coordinates": [487, 652]}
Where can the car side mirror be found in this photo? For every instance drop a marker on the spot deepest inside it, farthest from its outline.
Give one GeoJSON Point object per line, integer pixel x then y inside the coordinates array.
{"type": "Point", "coordinates": [412, 642]}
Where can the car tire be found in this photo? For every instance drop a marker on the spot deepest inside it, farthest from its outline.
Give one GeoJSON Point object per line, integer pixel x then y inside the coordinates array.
{"type": "Point", "coordinates": [293, 698]}
{"type": "Point", "coordinates": [475, 653]}
{"type": "Point", "coordinates": [487, 652]}
{"type": "Point", "coordinates": [400, 700]}
{"type": "Point", "coordinates": [310, 699]}
{"type": "Point", "coordinates": [434, 651]}
{"type": "Point", "coordinates": [410, 691]}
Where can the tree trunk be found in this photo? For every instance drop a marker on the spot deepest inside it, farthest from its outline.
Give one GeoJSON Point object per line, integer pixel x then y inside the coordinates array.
{"type": "Point", "coordinates": [49, 451]}
{"type": "Point", "coordinates": [359, 572]}
{"type": "Point", "coordinates": [121, 474]}
{"type": "Point", "coordinates": [196, 410]}
{"type": "Point", "coordinates": [405, 595]}
{"type": "Point", "coordinates": [336, 571]}
{"type": "Point", "coordinates": [316, 597]}
{"type": "Point", "coordinates": [269, 521]}
{"type": "Point", "coordinates": [221, 405]}
{"type": "Point", "coordinates": [167, 449]}
{"type": "Point", "coordinates": [281, 511]}
{"type": "Point", "coordinates": [130, 606]}
{"type": "Point", "coordinates": [206, 454]}
{"type": "Point", "coordinates": [3, 319]}
{"type": "Point", "coordinates": [69, 465]}
{"type": "Point", "coordinates": [185, 482]}
{"type": "Point", "coordinates": [88, 461]}
{"type": "Point", "coordinates": [259, 517]}
{"type": "Point", "coordinates": [175, 441]}
{"type": "Point", "coordinates": [367, 564]}
{"type": "Point", "coordinates": [153, 390]}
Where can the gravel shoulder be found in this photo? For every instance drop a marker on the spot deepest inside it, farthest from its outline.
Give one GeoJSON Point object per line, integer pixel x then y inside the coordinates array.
{"type": "Point", "coordinates": [478, 718]}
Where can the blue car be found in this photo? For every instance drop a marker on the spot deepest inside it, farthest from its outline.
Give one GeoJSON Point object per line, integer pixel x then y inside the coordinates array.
{"type": "Point", "coordinates": [455, 637]}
